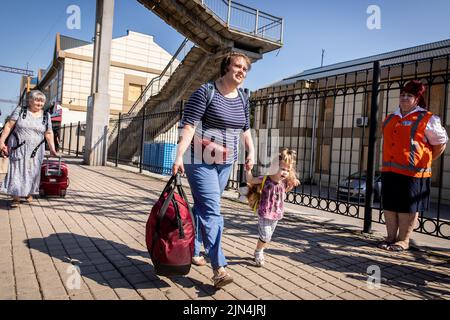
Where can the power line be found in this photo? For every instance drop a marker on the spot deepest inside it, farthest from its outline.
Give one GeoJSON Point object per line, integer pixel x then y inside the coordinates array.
{"type": "Point", "coordinates": [8, 101]}
{"type": "Point", "coordinates": [48, 33]}
{"type": "Point", "coordinates": [16, 70]}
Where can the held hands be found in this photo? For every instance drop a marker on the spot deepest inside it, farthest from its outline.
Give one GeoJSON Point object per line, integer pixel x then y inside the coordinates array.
{"type": "Point", "coordinates": [293, 184]}
{"type": "Point", "coordinates": [249, 162]}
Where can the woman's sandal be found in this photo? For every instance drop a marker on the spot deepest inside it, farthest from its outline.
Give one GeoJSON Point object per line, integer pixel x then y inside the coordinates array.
{"type": "Point", "coordinates": [396, 248]}
{"type": "Point", "coordinates": [14, 203]}
{"type": "Point", "coordinates": [222, 280]}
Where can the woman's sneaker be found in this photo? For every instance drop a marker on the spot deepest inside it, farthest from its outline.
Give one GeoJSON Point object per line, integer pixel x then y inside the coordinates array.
{"type": "Point", "coordinates": [259, 258]}
{"type": "Point", "coordinates": [199, 261]}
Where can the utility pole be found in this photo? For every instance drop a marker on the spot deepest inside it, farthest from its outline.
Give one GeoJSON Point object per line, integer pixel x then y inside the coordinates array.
{"type": "Point", "coordinates": [323, 53]}
{"type": "Point", "coordinates": [97, 119]}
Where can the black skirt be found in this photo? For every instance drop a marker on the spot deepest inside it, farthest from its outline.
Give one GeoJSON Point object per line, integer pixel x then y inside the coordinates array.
{"type": "Point", "coordinates": [405, 194]}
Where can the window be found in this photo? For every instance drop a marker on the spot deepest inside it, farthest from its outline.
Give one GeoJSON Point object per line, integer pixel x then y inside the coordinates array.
{"type": "Point", "coordinates": [134, 91]}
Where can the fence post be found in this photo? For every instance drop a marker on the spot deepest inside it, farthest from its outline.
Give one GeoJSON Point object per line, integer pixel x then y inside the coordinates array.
{"type": "Point", "coordinates": [142, 140]}
{"type": "Point", "coordinates": [78, 138]}
{"type": "Point", "coordinates": [371, 148]}
{"type": "Point", "coordinates": [70, 137]}
{"type": "Point", "coordinates": [63, 137]}
{"type": "Point", "coordinates": [256, 22]}
{"type": "Point", "coordinates": [118, 139]}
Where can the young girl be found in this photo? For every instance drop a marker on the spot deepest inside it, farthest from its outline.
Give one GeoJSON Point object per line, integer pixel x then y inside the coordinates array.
{"type": "Point", "coordinates": [271, 204]}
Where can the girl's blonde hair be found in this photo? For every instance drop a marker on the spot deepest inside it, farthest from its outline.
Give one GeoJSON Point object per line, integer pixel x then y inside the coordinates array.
{"type": "Point", "coordinates": [289, 157]}
{"type": "Point", "coordinates": [254, 190]}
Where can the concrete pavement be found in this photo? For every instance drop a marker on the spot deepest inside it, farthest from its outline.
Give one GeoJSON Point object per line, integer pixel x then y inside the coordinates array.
{"type": "Point", "coordinates": [100, 229]}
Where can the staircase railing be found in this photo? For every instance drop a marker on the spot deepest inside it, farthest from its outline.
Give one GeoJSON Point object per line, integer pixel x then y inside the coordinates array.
{"type": "Point", "coordinates": [246, 19]}
{"type": "Point", "coordinates": [154, 85]}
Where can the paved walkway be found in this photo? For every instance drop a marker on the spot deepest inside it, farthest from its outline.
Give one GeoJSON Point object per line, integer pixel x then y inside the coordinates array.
{"type": "Point", "coordinates": [99, 227]}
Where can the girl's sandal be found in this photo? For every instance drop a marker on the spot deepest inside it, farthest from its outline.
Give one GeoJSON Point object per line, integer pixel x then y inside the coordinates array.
{"type": "Point", "coordinates": [384, 245]}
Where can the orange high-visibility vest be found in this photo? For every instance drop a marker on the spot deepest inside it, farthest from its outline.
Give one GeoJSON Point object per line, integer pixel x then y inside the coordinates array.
{"type": "Point", "coordinates": [405, 148]}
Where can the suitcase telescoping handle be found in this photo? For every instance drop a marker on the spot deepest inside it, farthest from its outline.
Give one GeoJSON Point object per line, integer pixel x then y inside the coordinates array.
{"type": "Point", "coordinates": [59, 165]}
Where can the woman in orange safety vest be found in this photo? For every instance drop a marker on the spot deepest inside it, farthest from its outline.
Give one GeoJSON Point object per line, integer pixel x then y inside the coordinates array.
{"type": "Point", "coordinates": [412, 138]}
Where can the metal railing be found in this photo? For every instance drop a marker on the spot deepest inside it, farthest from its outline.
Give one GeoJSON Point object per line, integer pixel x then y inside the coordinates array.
{"type": "Point", "coordinates": [329, 122]}
{"type": "Point", "coordinates": [332, 123]}
{"type": "Point", "coordinates": [246, 19]}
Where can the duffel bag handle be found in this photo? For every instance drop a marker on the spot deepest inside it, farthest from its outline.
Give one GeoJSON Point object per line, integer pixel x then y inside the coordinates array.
{"type": "Point", "coordinates": [176, 180]}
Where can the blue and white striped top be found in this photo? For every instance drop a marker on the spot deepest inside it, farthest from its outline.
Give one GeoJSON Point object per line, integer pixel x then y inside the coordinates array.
{"type": "Point", "coordinates": [222, 121]}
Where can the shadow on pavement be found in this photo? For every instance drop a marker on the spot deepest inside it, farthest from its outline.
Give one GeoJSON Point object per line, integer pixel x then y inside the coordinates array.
{"type": "Point", "coordinates": [110, 263]}
{"type": "Point", "coordinates": [326, 249]}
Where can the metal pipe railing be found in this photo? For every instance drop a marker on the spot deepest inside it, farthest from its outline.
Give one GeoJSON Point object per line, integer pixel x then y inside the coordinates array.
{"type": "Point", "coordinates": [230, 11]}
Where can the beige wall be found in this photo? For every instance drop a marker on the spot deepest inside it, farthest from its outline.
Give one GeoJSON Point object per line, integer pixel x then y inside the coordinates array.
{"type": "Point", "coordinates": [135, 59]}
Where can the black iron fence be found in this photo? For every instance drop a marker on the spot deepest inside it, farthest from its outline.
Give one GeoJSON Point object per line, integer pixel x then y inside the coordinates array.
{"type": "Point", "coordinates": [333, 122]}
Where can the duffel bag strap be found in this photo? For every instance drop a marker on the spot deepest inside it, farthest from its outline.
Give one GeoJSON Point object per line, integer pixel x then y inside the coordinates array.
{"type": "Point", "coordinates": [183, 195]}
{"type": "Point", "coordinates": [169, 184]}
{"type": "Point", "coordinates": [162, 212]}
{"type": "Point", "coordinates": [165, 205]}
{"type": "Point", "coordinates": [179, 220]}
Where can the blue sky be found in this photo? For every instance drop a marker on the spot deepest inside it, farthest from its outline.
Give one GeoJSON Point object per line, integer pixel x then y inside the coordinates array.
{"type": "Point", "coordinates": [28, 31]}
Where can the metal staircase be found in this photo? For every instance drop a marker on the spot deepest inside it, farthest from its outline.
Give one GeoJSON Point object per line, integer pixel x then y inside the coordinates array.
{"type": "Point", "coordinates": [214, 33]}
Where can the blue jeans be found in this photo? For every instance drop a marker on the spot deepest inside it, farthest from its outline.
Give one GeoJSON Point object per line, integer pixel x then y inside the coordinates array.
{"type": "Point", "coordinates": [207, 184]}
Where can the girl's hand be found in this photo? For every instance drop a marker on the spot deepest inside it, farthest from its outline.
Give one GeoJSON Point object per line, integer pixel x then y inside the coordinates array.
{"type": "Point", "coordinates": [293, 184]}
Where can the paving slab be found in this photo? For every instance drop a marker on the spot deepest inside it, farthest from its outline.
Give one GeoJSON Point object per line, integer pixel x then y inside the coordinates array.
{"type": "Point", "coordinates": [99, 227]}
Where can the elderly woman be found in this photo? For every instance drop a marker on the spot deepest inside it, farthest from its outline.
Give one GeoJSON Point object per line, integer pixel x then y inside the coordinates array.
{"type": "Point", "coordinates": [28, 127]}
{"type": "Point", "coordinates": [412, 138]}
{"type": "Point", "coordinates": [213, 120]}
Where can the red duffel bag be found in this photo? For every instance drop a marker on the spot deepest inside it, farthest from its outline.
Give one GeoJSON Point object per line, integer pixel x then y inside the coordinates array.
{"type": "Point", "coordinates": [170, 231]}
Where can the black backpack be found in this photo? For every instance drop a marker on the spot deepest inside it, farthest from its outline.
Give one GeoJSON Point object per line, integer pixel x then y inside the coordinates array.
{"type": "Point", "coordinates": [23, 114]}
{"type": "Point", "coordinates": [211, 90]}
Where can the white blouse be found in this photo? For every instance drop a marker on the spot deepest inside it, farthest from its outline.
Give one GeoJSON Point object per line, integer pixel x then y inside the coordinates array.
{"type": "Point", "coordinates": [434, 132]}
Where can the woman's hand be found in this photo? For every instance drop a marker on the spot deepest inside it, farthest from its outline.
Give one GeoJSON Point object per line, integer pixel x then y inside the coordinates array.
{"type": "Point", "coordinates": [178, 166]}
{"type": "Point", "coordinates": [249, 161]}
{"type": "Point", "coordinates": [53, 153]}
{"type": "Point", "coordinates": [3, 150]}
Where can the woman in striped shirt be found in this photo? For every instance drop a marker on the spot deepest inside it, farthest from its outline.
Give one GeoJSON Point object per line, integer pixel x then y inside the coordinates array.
{"type": "Point", "coordinates": [212, 122]}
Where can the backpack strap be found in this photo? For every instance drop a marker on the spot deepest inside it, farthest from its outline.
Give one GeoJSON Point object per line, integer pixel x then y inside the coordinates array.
{"type": "Point", "coordinates": [19, 144]}
{"type": "Point", "coordinates": [23, 111]}
{"type": "Point", "coordinates": [210, 91]}
{"type": "Point", "coordinates": [45, 123]}
{"type": "Point", "coordinates": [33, 154]}
{"type": "Point", "coordinates": [255, 207]}
{"type": "Point", "coordinates": [244, 96]}
{"type": "Point", "coordinates": [45, 119]}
